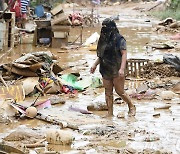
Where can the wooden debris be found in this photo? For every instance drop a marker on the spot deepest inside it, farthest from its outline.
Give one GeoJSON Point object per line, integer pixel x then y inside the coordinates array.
{"type": "Point", "coordinates": [61, 19]}
{"type": "Point", "coordinates": [152, 70]}
{"type": "Point", "coordinates": [57, 10]}
{"type": "Point", "coordinates": [134, 67]}
{"type": "Point", "coordinates": [9, 149]}
{"type": "Point", "coordinates": [62, 124]}
{"type": "Point", "coordinates": [34, 145]}
{"type": "Point", "coordinates": [156, 115]}
{"type": "Point", "coordinates": [162, 107]}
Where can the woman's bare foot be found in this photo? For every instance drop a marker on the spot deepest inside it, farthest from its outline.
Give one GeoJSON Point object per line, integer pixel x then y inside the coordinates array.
{"type": "Point", "coordinates": [132, 111]}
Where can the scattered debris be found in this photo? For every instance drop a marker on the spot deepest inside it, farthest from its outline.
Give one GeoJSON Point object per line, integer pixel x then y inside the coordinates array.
{"type": "Point", "coordinates": [167, 95]}
{"type": "Point", "coordinates": [154, 69]}
{"type": "Point", "coordinates": [151, 139]}
{"type": "Point", "coordinates": [156, 115]}
{"type": "Point", "coordinates": [176, 88]}
{"type": "Point", "coordinates": [83, 111]}
{"type": "Point", "coordinates": [4, 148]}
{"type": "Point", "coordinates": [162, 107]}
{"type": "Point", "coordinates": [61, 137]}
{"type": "Point", "coordinates": [92, 39]}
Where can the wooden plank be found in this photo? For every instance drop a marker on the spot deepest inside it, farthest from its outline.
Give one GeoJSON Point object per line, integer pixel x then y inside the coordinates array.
{"type": "Point", "coordinates": [131, 69]}
{"type": "Point", "coordinates": [139, 67]}
{"type": "Point", "coordinates": [59, 19]}
{"type": "Point", "coordinates": [57, 10]}
{"type": "Point", "coordinates": [135, 70]}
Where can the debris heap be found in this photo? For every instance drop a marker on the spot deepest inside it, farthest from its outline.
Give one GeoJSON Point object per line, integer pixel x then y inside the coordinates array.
{"type": "Point", "coordinates": [162, 70]}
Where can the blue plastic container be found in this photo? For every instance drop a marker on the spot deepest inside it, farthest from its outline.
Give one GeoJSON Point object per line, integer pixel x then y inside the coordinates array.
{"type": "Point", "coordinates": [39, 11]}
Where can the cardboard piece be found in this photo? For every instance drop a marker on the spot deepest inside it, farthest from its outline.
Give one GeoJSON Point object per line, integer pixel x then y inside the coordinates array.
{"type": "Point", "coordinates": [59, 42]}
{"type": "Point", "coordinates": [57, 10]}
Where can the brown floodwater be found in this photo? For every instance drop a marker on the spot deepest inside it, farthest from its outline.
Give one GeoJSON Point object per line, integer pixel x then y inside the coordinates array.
{"type": "Point", "coordinates": [166, 127]}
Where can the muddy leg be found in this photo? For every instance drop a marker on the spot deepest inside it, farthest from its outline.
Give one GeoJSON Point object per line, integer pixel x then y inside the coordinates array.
{"type": "Point", "coordinates": [119, 87]}
{"type": "Point", "coordinates": [108, 85]}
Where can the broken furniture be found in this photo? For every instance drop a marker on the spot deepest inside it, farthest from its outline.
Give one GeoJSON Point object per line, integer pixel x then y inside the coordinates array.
{"type": "Point", "coordinates": [134, 67]}
{"type": "Point", "coordinates": [61, 26]}
{"type": "Point", "coordinates": [43, 32]}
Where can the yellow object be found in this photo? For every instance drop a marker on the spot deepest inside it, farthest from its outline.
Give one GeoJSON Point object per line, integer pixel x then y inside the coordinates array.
{"type": "Point", "coordinates": [15, 92]}
{"type": "Point", "coordinates": [93, 48]}
{"type": "Point", "coordinates": [31, 112]}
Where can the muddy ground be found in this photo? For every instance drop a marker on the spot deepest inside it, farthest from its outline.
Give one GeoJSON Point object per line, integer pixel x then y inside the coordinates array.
{"type": "Point", "coordinates": [150, 131]}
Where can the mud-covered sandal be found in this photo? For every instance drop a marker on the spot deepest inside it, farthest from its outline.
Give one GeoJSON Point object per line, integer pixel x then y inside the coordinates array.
{"type": "Point", "coordinates": [132, 111]}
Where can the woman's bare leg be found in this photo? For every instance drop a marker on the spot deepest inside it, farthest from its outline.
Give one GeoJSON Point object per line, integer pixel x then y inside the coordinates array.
{"type": "Point", "coordinates": [119, 87]}
{"type": "Point", "coordinates": [108, 85]}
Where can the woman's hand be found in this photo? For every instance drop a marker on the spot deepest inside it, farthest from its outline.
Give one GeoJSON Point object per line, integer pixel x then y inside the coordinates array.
{"type": "Point", "coordinates": [121, 72]}
{"type": "Point", "coordinates": [93, 68]}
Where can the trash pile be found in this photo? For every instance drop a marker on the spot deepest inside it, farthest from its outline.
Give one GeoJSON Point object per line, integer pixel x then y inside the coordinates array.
{"type": "Point", "coordinates": [157, 89]}
{"type": "Point", "coordinates": [168, 25]}
{"type": "Point", "coordinates": [38, 74]}
{"type": "Point", "coordinates": [152, 70]}
{"type": "Point", "coordinates": [169, 67]}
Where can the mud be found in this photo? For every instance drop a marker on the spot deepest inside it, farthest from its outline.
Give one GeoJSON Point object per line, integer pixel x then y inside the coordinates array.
{"type": "Point", "coordinates": [144, 133]}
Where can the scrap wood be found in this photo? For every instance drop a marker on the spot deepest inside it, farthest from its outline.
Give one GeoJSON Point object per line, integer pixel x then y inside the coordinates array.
{"type": "Point", "coordinates": [36, 145]}
{"type": "Point", "coordinates": [62, 124]}
{"type": "Point", "coordinates": [16, 70]}
{"type": "Point", "coordinates": [156, 115]}
{"type": "Point", "coordinates": [162, 107]}
{"type": "Point", "coordinates": [9, 149]}
{"type": "Point", "coordinates": [61, 19]}
{"type": "Point", "coordinates": [18, 108]}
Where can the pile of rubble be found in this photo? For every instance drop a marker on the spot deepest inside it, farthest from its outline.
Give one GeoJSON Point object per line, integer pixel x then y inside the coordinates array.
{"type": "Point", "coordinates": [162, 70]}
{"type": "Point", "coordinates": [170, 66]}
{"type": "Point", "coordinates": [168, 25]}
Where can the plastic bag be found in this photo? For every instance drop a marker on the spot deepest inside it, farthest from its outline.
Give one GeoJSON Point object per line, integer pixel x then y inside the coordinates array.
{"type": "Point", "coordinates": [172, 60]}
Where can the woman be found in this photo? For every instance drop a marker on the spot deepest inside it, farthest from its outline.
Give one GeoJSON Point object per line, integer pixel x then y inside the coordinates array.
{"type": "Point", "coordinates": [112, 56]}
